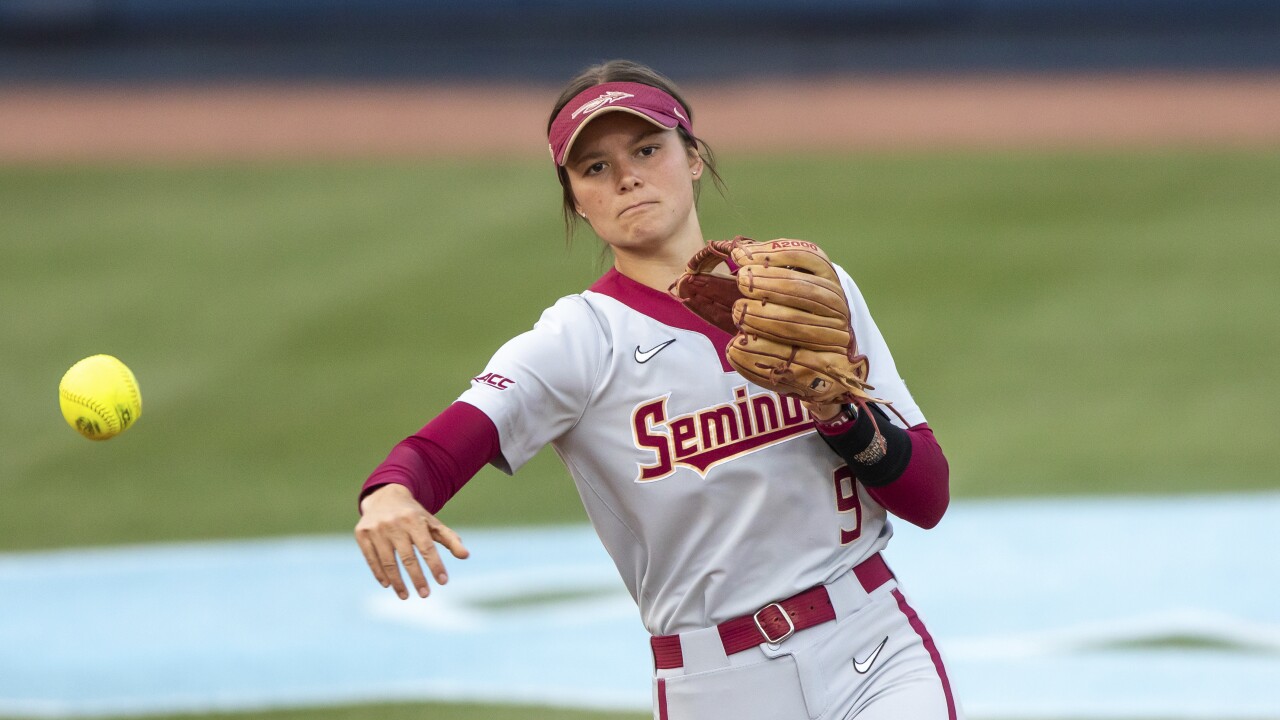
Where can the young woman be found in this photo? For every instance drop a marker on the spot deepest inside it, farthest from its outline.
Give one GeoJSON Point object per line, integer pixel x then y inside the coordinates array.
{"type": "Point", "coordinates": [747, 526]}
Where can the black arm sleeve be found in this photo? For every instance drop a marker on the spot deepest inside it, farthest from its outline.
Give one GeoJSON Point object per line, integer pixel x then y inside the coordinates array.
{"type": "Point", "coordinates": [852, 446]}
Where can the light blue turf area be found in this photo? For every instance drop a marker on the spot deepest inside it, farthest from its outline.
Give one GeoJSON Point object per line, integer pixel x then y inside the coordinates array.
{"type": "Point", "coordinates": [1134, 607]}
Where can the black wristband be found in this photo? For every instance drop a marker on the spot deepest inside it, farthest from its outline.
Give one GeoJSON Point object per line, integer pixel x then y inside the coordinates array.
{"type": "Point", "coordinates": [876, 450]}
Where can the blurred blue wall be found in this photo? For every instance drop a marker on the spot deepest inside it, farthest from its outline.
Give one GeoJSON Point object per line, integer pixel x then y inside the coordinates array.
{"type": "Point", "coordinates": [389, 39]}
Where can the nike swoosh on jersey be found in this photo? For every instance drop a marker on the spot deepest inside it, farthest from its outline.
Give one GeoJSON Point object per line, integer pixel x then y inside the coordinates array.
{"type": "Point", "coordinates": [646, 355]}
{"type": "Point", "coordinates": [863, 667]}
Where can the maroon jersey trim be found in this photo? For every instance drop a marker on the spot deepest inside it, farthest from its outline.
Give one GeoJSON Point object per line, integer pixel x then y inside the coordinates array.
{"type": "Point", "coordinates": [661, 307]}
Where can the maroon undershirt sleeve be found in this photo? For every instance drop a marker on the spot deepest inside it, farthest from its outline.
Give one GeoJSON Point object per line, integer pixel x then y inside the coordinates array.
{"type": "Point", "coordinates": [435, 462]}
{"type": "Point", "coordinates": [921, 494]}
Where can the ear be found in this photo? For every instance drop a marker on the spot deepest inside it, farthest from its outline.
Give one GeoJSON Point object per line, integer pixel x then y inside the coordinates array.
{"type": "Point", "coordinates": [696, 164]}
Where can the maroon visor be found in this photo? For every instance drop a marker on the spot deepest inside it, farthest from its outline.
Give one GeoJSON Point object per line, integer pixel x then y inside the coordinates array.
{"type": "Point", "coordinates": [641, 100]}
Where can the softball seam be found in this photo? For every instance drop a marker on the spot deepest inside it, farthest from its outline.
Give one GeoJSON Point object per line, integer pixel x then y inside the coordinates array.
{"type": "Point", "coordinates": [126, 376]}
{"type": "Point", "coordinates": [110, 418]}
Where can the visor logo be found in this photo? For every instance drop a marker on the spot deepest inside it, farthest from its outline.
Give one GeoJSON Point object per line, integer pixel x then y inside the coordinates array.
{"type": "Point", "coordinates": [595, 104]}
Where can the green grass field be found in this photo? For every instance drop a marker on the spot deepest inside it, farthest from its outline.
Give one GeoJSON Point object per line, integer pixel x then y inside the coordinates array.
{"type": "Point", "coordinates": [1070, 323]}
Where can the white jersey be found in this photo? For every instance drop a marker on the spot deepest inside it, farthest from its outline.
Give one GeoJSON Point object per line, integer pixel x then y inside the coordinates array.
{"type": "Point", "coordinates": [713, 496]}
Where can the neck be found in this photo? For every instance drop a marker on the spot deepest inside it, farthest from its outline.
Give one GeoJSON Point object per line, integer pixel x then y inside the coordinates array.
{"type": "Point", "coordinates": [657, 270]}
{"type": "Point", "coordinates": [661, 267]}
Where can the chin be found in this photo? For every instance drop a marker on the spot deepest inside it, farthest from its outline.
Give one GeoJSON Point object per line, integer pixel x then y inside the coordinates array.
{"type": "Point", "coordinates": [634, 237]}
{"type": "Point", "coordinates": [643, 241]}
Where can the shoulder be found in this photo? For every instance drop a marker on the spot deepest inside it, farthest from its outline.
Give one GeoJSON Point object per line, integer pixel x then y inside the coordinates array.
{"type": "Point", "coordinates": [843, 274]}
{"type": "Point", "coordinates": [569, 332]}
{"type": "Point", "coordinates": [569, 312]}
{"type": "Point", "coordinates": [850, 286]}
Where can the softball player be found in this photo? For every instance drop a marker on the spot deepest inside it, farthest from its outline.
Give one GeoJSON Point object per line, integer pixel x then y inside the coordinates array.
{"type": "Point", "coordinates": [748, 527]}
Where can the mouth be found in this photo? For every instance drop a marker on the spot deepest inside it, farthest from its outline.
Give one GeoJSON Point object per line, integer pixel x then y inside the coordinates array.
{"type": "Point", "coordinates": [636, 206]}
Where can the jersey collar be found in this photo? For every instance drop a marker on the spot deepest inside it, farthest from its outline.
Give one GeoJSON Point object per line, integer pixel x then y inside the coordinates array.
{"type": "Point", "coordinates": [661, 307]}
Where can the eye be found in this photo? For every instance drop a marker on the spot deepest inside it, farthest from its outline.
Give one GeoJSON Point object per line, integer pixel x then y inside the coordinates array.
{"type": "Point", "coordinates": [648, 150]}
{"type": "Point", "coordinates": [593, 169]}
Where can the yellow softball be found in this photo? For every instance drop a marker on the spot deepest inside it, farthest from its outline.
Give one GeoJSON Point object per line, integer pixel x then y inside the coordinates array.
{"type": "Point", "coordinates": [99, 397]}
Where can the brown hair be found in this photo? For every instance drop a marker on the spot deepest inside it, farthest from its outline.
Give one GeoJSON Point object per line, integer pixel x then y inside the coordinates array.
{"type": "Point", "coordinates": [625, 71]}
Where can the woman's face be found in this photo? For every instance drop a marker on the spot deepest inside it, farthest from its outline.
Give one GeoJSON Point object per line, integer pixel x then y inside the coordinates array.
{"type": "Point", "coordinates": [633, 182]}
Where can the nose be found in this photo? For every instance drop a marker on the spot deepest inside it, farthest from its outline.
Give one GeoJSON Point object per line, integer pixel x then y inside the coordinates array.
{"type": "Point", "coordinates": [628, 177]}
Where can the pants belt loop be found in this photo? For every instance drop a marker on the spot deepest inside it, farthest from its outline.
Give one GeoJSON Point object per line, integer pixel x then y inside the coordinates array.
{"type": "Point", "coordinates": [850, 591]}
{"type": "Point", "coordinates": [846, 594]}
{"type": "Point", "coordinates": [702, 650]}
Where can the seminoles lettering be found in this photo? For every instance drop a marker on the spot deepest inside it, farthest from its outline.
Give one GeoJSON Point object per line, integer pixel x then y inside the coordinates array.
{"type": "Point", "coordinates": [705, 438]}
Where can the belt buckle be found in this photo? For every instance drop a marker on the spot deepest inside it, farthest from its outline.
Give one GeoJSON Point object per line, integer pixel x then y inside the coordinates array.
{"type": "Point", "coordinates": [791, 626]}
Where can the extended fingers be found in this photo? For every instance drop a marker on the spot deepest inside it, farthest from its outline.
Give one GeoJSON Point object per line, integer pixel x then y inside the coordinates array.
{"type": "Point", "coordinates": [448, 538]}
{"type": "Point", "coordinates": [387, 546]}
{"type": "Point", "coordinates": [436, 531]}
{"type": "Point", "coordinates": [410, 562]}
{"type": "Point", "coordinates": [382, 546]}
{"type": "Point", "coordinates": [365, 540]}
{"type": "Point", "coordinates": [384, 564]}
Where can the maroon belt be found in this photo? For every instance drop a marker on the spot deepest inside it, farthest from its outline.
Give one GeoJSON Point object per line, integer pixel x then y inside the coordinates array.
{"type": "Point", "coordinates": [774, 622]}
